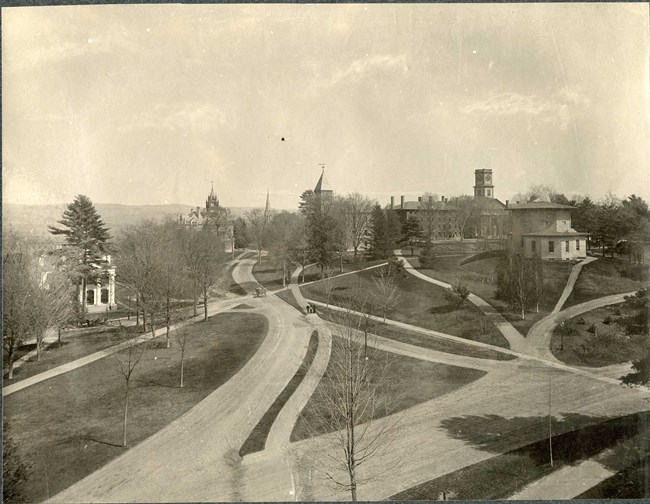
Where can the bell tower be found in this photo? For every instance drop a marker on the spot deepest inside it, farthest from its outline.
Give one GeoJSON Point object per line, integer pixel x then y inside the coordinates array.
{"type": "Point", "coordinates": [483, 187]}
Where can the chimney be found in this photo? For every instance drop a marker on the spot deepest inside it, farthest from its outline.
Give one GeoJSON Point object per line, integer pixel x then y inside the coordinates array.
{"type": "Point", "coordinates": [401, 204]}
{"type": "Point", "coordinates": [430, 200]}
{"type": "Point", "coordinates": [419, 199]}
{"type": "Point", "coordinates": [507, 203]}
{"type": "Point", "coordinates": [392, 202]}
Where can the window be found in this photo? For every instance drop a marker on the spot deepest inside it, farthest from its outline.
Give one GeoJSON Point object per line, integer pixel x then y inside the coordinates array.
{"type": "Point", "coordinates": [90, 296]}
{"type": "Point", "coordinates": [566, 246]}
{"type": "Point", "coordinates": [577, 244]}
{"type": "Point", "coordinates": [533, 246]}
{"type": "Point", "coordinates": [551, 246]}
{"type": "Point", "coordinates": [104, 296]}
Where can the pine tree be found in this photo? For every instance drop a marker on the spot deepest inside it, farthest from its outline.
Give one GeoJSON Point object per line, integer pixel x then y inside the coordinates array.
{"type": "Point", "coordinates": [377, 232]}
{"type": "Point", "coordinates": [85, 233]}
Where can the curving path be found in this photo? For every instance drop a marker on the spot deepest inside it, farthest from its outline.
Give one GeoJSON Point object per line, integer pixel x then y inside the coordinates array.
{"type": "Point", "coordinates": [516, 341]}
{"type": "Point", "coordinates": [190, 456]}
{"type": "Point", "coordinates": [539, 336]}
{"type": "Point", "coordinates": [571, 281]}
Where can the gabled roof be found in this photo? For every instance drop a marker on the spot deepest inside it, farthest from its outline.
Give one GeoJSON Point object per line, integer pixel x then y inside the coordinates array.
{"type": "Point", "coordinates": [543, 205]}
{"type": "Point", "coordinates": [322, 184]}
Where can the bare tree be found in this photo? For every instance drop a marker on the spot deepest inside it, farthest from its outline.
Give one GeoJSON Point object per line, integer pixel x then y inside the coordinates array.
{"type": "Point", "coordinates": [466, 213]}
{"type": "Point", "coordinates": [23, 316]}
{"type": "Point", "coordinates": [182, 340]}
{"type": "Point", "coordinates": [352, 403]}
{"type": "Point", "coordinates": [328, 283]}
{"type": "Point", "coordinates": [386, 289]}
{"type": "Point", "coordinates": [257, 226]}
{"type": "Point", "coordinates": [126, 364]}
{"type": "Point", "coordinates": [281, 239]}
{"type": "Point", "coordinates": [358, 209]}
{"type": "Point", "coordinates": [521, 284]}
{"type": "Point", "coordinates": [428, 215]}
{"type": "Point", "coordinates": [204, 256]}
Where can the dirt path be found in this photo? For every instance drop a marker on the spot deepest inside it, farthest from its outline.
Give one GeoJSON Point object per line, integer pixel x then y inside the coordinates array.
{"type": "Point", "coordinates": [516, 341]}
{"type": "Point", "coordinates": [195, 457]}
{"type": "Point", "coordinates": [571, 281]}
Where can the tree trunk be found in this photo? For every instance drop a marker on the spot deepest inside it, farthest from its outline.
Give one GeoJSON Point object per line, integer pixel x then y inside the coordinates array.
{"type": "Point", "coordinates": [196, 304]}
{"type": "Point", "coordinates": [39, 341]}
{"type": "Point", "coordinates": [205, 305]}
{"type": "Point", "coordinates": [137, 311]}
{"type": "Point", "coordinates": [167, 319]}
{"type": "Point", "coordinates": [144, 321]}
{"type": "Point", "coordinates": [126, 410]}
{"type": "Point", "coordinates": [340, 263]}
{"type": "Point", "coordinates": [259, 256]}
{"type": "Point", "coordinates": [284, 273]}
{"type": "Point", "coordinates": [59, 330]}
{"type": "Point", "coordinates": [153, 324]}
{"type": "Point", "coordinates": [182, 366]}
{"type": "Point", "coordinates": [11, 366]}
{"type": "Point", "coordinates": [83, 297]}
{"type": "Point", "coordinates": [523, 315]}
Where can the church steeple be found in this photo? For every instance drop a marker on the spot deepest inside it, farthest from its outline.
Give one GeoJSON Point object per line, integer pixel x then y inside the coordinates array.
{"type": "Point", "coordinates": [322, 186]}
{"type": "Point", "coordinates": [267, 207]}
{"type": "Point", "coordinates": [213, 200]}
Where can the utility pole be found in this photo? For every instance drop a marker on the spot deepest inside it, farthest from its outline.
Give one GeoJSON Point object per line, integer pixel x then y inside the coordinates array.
{"type": "Point", "coordinates": [550, 418]}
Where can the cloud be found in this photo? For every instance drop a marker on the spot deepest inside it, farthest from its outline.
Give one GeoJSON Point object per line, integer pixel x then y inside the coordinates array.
{"type": "Point", "coordinates": [193, 116]}
{"type": "Point", "coordinates": [361, 67]}
{"type": "Point", "coordinates": [556, 108]}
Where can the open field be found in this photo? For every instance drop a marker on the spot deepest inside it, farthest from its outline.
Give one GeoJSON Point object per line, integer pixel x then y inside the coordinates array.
{"type": "Point", "coordinates": [606, 344]}
{"type": "Point", "coordinates": [69, 426]}
{"type": "Point", "coordinates": [503, 475]}
{"type": "Point", "coordinates": [412, 382]}
{"type": "Point", "coordinates": [601, 278]}
{"type": "Point", "coordinates": [419, 303]}
{"type": "Point", "coordinates": [422, 340]}
{"type": "Point", "coordinates": [448, 269]}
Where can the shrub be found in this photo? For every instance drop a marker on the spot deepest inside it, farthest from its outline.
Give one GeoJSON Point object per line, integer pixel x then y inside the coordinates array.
{"type": "Point", "coordinates": [608, 320]}
{"type": "Point", "coordinates": [581, 321]}
{"type": "Point", "coordinates": [592, 328]}
{"type": "Point", "coordinates": [639, 272]}
{"type": "Point", "coordinates": [427, 257]}
{"type": "Point", "coordinates": [456, 295]}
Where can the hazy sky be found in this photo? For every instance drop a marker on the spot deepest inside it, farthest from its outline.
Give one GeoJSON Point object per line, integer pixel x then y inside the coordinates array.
{"type": "Point", "coordinates": [148, 104]}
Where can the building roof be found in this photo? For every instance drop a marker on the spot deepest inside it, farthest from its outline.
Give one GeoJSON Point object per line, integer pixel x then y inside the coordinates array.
{"type": "Point", "coordinates": [415, 205]}
{"type": "Point", "coordinates": [322, 185]}
{"type": "Point", "coordinates": [540, 205]}
{"type": "Point", "coordinates": [551, 232]}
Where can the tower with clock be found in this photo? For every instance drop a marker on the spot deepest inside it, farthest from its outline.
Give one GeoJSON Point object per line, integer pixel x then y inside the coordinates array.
{"type": "Point", "coordinates": [483, 183]}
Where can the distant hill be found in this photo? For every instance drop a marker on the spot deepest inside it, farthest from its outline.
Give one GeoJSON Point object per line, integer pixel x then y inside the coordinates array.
{"type": "Point", "coordinates": [33, 220]}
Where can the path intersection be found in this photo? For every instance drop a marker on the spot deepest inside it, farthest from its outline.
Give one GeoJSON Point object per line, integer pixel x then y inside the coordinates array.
{"type": "Point", "coordinates": [195, 458]}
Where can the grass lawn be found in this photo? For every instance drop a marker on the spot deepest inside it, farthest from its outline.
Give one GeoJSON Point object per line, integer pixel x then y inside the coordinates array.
{"type": "Point", "coordinates": [412, 382]}
{"type": "Point", "coordinates": [75, 344]}
{"type": "Point", "coordinates": [506, 474]}
{"type": "Point", "coordinates": [630, 483]}
{"type": "Point", "coordinates": [419, 303]}
{"type": "Point", "coordinates": [257, 439]}
{"type": "Point", "coordinates": [448, 269]}
{"type": "Point", "coordinates": [269, 274]}
{"type": "Point", "coordinates": [71, 425]}
{"type": "Point", "coordinates": [609, 344]}
{"type": "Point", "coordinates": [601, 278]}
{"type": "Point", "coordinates": [423, 340]}
{"type": "Point", "coordinates": [287, 296]}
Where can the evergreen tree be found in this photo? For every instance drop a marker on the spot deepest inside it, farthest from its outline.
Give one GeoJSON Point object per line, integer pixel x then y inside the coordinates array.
{"type": "Point", "coordinates": [377, 232]}
{"type": "Point", "coordinates": [241, 233]}
{"type": "Point", "coordinates": [427, 255]}
{"type": "Point", "coordinates": [14, 471]}
{"type": "Point", "coordinates": [411, 232]}
{"type": "Point", "coordinates": [86, 234]}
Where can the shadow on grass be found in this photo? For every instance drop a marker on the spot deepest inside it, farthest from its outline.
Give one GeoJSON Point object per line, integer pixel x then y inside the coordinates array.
{"type": "Point", "coordinates": [579, 437]}
{"type": "Point", "coordinates": [438, 310]}
{"type": "Point", "coordinates": [107, 443]}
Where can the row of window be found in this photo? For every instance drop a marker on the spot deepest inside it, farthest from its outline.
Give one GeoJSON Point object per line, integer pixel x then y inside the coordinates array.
{"type": "Point", "coordinates": [551, 246]}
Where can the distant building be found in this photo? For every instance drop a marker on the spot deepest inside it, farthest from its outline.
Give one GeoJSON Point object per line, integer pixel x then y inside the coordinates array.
{"type": "Point", "coordinates": [544, 229]}
{"type": "Point", "coordinates": [490, 219]}
{"type": "Point", "coordinates": [100, 295]}
{"type": "Point", "coordinates": [212, 215]}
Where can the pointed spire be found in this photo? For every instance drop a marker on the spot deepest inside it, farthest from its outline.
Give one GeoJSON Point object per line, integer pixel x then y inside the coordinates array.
{"type": "Point", "coordinates": [267, 207]}
{"type": "Point", "coordinates": [322, 186]}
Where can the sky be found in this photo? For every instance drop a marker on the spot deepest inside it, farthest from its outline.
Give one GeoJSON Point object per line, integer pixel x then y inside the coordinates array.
{"type": "Point", "coordinates": [150, 104]}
